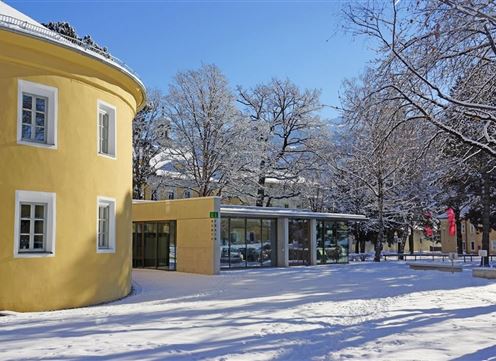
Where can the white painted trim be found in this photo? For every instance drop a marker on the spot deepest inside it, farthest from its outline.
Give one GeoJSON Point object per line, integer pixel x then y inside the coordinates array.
{"type": "Point", "coordinates": [112, 224]}
{"type": "Point", "coordinates": [275, 212]}
{"type": "Point", "coordinates": [51, 222]}
{"type": "Point", "coordinates": [52, 94]}
{"type": "Point", "coordinates": [112, 111]}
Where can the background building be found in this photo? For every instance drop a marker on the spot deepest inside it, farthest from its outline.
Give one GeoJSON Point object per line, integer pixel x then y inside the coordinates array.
{"type": "Point", "coordinates": [421, 243]}
{"type": "Point", "coordinates": [471, 238]}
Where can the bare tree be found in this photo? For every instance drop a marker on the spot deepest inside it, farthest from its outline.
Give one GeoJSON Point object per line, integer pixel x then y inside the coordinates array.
{"type": "Point", "coordinates": [205, 131]}
{"type": "Point", "coordinates": [149, 130]}
{"type": "Point", "coordinates": [285, 122]}
{"type": "Point", "coordinates": [426, 47]}
{"type": "Point", "coordinates": [316, 193]}
{"type": "Point", "coordinates": [470, 189]}
{"type": "Point", "coordinates": [382, 153]}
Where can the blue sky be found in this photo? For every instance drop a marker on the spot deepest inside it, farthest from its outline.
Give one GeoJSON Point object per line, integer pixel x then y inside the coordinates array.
{"type": "Point", "coordinates": [251, 41]}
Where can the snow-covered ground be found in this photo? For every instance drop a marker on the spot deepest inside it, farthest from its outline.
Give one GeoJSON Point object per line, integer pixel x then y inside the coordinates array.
{"type": "Point", "coordinates": [357, 311]}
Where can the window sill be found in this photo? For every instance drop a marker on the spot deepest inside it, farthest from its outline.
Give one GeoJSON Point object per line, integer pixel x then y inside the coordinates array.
{"type": "Point", "coordinates": [33, 254]}
{"type": "Point", "coordinates": [37, 145]}
{"type": "Point", "coordinates": [109, 156]}
{"type": "Point", "coordinates": [105, 250]}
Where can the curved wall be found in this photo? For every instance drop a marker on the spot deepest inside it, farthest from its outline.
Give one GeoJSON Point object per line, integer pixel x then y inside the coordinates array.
{"type": "Point", "coordinates": [76, 274]}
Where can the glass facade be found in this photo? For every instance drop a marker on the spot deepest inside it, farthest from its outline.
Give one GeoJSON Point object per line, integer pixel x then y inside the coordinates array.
{"type": "Point", "coordinates": [154, 245]}
{"type": "Point", "coordinates": [245, 243]}
{"type": "Point", "coordinates": [248, 242]}
{"type": "Point", "coordinates": [299, 242]}
{"type": "Point", "coordinates": [332, 242]}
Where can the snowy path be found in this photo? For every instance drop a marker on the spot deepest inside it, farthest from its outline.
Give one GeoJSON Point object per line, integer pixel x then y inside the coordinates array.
{"type": "Point", "coordinates": [338, 312]}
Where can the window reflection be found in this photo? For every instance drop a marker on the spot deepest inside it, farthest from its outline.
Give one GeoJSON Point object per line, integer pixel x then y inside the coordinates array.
{"type": "Point", "coordinates": [224, 241]}
{"type": "Point", "coordinates": [332, 242]}
{"type": "Point", "coordinates": [269, 236]}
{"type": "Point", "coordinates": [248, 242]}
{"type": "Point", "coordinates": [253, 242]}
{"type": "Point", "coordinates": [237, 246]}
{"type": "Point", "coordinates": [154, 245]}
{"type": "Point", "coordinates": [299, 241]}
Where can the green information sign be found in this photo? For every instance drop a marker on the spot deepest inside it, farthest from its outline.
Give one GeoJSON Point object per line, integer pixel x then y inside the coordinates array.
{"type": "Point", "coordinates": [214, 214]}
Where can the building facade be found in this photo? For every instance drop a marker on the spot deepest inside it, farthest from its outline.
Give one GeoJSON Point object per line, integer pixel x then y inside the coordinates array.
{"type": "Point", "coordinates": [471, 238]}
{"type": "Point", "coordinates": [421, 244]}
{"type": "Point", "coordinates": [200, 235]}
{"type": "Point", "coordinates": [65, 179]}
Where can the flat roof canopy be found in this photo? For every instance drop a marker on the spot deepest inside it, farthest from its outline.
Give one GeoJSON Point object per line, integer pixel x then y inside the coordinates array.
{"type": "Point", "coordinates": [273, 212]}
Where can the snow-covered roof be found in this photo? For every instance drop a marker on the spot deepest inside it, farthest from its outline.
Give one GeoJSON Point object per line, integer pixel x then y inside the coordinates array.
{"type": "Point", "coordinates": [247, 211]}
{"type": "Point", "coordinates": [10, 11]}
{"type": "Point", "coordinates": [15, 21]}
{"type": "Point", "coordinates": [164, 159]}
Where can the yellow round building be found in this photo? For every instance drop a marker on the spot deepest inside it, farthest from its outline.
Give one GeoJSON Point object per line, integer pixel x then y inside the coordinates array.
{"type": "Point", "coordinates": [65, 169]}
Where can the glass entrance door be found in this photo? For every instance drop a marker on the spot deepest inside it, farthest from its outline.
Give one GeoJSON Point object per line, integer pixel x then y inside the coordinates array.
{"type": "Point", "coordinates": [154, 245]}
{"type": "Point", "coordinates": [332, 242]}
{"type": "Point", "coordinates": [299, 242]}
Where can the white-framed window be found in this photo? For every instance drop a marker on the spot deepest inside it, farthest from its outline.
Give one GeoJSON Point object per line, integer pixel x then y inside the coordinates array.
{"type": "Point", "coordinates": [170, 195]}
{"type": "Point", "coordinates": [493, 244]}
{"type": "Point", "coordinates": [472, 228]}
{"type": "Point", "coordinates": [187, 193]}
{"type": "Point", "coordinates": [37, 114]}
{"type": "Point", "coordinates": [105, 224]}
{"type": "Point", "coordinates": [472, 245]}
{"type": "Point", "coordinates": [463, 227]}
{"type": "Point", "coordinates": [106, 129]}
{"type": "Point", "coordinates": [34, 224]}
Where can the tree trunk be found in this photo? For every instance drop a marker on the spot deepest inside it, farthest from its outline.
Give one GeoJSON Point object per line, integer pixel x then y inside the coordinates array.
{"type": "Point", "coordinates": [138, 190]}
{"type": "Point", "coordinates": [411, 243]}
{"type": "Point", "coordinates": [459, 236]}
{"type": "Point", "coordinates": [486, 214]}
{"type": "Point", "coordinates": [261, 186]}
{"type": "Point", "coordinates": [380, 235]}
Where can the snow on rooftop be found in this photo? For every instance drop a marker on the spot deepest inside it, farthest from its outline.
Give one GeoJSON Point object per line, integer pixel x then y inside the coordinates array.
{"type": "Point", "coordinates": [14, 20]}
{"type": "Point", "coordinates": [10, 11]}
{"type": "Point", "coordinates": [235, 210]}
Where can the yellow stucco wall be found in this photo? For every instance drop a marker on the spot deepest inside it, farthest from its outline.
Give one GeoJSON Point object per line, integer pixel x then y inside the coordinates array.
{"type": "Point", "coordinates": [420, 244]}
{"type": "Point", "coordinates": [469, 234]}
{"type": "Point", "coordinates": [76, 275]}
{"type": "Point", "coordinates": [197, 237]}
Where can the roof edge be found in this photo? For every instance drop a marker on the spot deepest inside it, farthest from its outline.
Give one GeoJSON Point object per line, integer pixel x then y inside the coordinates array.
{"type": "Point", "coordinates": [24, 28]}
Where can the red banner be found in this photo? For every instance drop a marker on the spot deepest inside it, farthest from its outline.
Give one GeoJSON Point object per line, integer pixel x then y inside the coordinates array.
{"type": "Point", "coordinates": [451, 221]}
